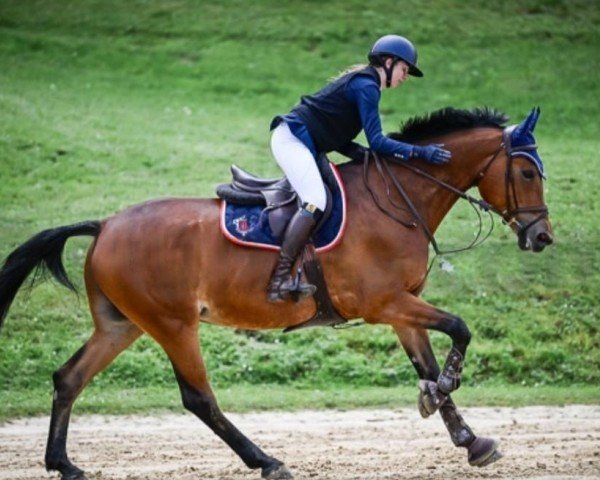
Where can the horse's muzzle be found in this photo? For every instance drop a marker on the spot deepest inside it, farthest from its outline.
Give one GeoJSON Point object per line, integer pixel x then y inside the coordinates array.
{"type": "Point", "coordinates": [536, 237]}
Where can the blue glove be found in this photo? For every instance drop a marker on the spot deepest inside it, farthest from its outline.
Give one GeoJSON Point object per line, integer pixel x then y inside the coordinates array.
{"type": "Point", "coordinates": [433, 153]}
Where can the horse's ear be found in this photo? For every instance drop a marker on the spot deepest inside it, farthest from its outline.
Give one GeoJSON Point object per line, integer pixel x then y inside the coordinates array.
{"type": "Point", "coordinates": [529, 122]}
{"type": "Point", "coordinates": [536, 112]}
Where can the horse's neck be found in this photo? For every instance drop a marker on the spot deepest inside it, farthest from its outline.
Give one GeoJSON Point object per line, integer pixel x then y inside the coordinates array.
{"type": "Point", "coordinates": [470, 153]}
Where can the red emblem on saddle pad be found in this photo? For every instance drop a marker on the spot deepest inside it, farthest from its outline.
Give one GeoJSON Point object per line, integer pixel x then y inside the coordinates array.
{"type": "Point", "coordinates": [242, 225]}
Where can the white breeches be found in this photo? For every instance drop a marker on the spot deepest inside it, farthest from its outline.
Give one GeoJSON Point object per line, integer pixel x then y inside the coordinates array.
{"type": "Point", "coordinates": [299, 166]}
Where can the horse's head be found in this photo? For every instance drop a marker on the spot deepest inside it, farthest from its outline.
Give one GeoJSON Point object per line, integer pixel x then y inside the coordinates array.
{"type": "Point", "coordinates": [512, 183]}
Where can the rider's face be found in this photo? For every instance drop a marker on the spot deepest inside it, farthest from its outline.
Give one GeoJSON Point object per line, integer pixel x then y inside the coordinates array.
{"type": "Point", "coordinates": [399, 74]}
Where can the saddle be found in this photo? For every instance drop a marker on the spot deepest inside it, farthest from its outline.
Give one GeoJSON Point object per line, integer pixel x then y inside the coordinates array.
{"type": "Point", "coordinates": [276, 195]}
{"type": "Point", "coordinates": [278, 201]}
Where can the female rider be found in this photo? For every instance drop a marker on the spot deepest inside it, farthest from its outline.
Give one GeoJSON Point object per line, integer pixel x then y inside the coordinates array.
{"type": "Point", "coordinates": [329, 120]}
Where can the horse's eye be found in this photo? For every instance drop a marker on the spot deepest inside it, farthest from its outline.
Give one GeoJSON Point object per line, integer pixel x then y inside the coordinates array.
{"type": "Point", "coordinates": [528, 174]}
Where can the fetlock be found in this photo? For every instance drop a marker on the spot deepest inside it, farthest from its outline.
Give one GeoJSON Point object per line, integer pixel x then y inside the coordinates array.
{"type": "Point", "coordinates": [449, 379]}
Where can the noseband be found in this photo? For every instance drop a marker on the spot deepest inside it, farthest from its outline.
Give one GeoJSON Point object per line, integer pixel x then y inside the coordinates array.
{"type": "Point", "coordinates": [509, 215]}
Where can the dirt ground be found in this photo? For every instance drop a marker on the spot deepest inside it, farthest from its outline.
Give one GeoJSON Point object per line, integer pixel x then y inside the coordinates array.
{"type": "Point", "coordinates": [538, 443]}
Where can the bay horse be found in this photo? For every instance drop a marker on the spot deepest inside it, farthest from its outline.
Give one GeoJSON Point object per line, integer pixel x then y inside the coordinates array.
{"type": "Point", "coordinates": [163, 267]}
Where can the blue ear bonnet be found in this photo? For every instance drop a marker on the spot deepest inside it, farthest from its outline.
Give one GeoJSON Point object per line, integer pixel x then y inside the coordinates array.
{"type": "Point", "coordinates": [522, 141]}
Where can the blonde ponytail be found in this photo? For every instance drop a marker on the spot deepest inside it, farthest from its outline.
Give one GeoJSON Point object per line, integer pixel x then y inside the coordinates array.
{"type": "Point", "coordinates": [350, 69]}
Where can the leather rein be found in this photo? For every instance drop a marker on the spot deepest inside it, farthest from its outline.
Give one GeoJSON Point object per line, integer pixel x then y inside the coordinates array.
{"type": "Point", "coordinates": [508, 216]}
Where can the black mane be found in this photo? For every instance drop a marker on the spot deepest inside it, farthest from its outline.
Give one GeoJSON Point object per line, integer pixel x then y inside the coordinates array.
{"type": "Point", "coordinates": [448, 120]}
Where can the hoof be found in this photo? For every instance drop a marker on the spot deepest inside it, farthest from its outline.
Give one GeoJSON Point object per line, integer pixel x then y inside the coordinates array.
{"type": "Point", "coordinates": [483, 451]}
{"type": "Point", "coordinates": [430, 398]}
{"type": "Point", "coordinates": [74, 476]}
{"type": "Point", "coordinates": [280, 473]}
{"type": "Point", "coordinates": [71, 472]}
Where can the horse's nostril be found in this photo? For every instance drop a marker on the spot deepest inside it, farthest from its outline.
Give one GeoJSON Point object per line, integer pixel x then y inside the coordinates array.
{"type": "Point", "coordinates": [545, 237]}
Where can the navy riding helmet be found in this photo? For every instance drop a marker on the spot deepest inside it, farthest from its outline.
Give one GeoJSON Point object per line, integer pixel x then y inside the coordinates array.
{"type": "Point", "coordinates": [399, 47]}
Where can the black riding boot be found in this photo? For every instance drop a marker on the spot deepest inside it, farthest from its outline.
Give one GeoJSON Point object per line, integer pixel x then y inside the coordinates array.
{"type": "Point", "coordinates": [295, 237]}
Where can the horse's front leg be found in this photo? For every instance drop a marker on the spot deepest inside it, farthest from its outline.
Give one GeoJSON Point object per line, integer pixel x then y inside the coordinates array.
{"type": "Point", "coordinates": [412, 312]}
{"type": "Point", "coordinates": [482, 451]}
{"type": "Point", "coordinates": [450, 376]}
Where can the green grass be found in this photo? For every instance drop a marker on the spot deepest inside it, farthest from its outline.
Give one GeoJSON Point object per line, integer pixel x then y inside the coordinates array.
{"type": "Point", "coordinates": [106, 104]}
{"type": "Point", "coordinates": [252, 398]}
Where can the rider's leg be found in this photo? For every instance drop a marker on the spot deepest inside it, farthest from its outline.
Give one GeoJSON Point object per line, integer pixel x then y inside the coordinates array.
{"type": "Point", "coordinates": [299, 166]}
{"type": "Point", "coordinates": [295, 237]}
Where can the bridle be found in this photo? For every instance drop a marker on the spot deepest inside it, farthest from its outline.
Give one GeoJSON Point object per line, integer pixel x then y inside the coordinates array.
{"type": "Point", "coordinates": [509, 215]}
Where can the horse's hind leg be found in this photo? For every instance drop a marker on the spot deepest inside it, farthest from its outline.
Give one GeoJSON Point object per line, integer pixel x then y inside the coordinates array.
{"type": "Point", "coordinates": [180, 341]}
{"type": "Point", "coordinates": [113, 334]}
{"type": "Point", "coordinates": [481, 451]}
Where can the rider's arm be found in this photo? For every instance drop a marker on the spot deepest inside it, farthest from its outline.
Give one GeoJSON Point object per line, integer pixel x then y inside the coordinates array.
{"type": "Point", "coordinates": [366, 94]}
{"type": "Point", "coordinates": [353, 150]}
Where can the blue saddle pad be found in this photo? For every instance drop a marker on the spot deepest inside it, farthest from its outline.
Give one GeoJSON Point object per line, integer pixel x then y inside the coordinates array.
{"type": "Point", "coordinates": [249, 225]}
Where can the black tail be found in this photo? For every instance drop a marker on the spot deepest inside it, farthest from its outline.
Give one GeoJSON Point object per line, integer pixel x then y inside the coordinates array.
{"type": "Point", "coordinates": [42, 250]}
